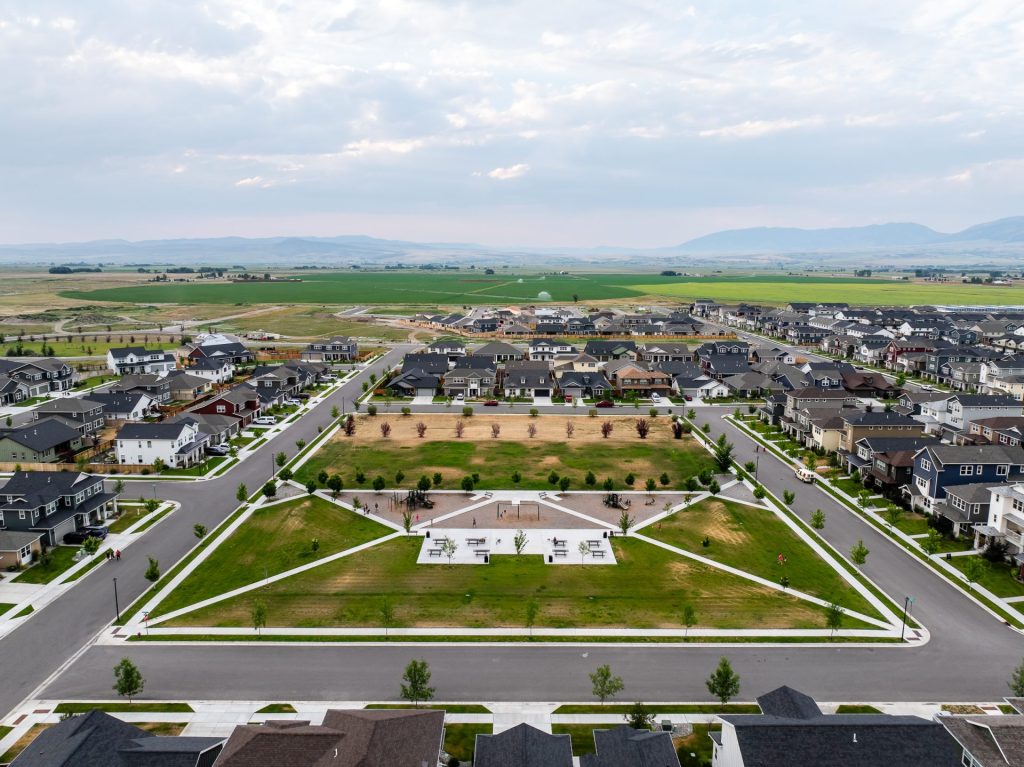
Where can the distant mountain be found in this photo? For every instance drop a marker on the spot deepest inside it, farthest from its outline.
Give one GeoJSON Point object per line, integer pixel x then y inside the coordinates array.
{"type": "Point", "coordinates": [792, 240]}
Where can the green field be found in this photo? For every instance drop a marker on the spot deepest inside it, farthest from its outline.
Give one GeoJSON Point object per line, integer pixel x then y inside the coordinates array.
{"type": "Point", "coordinates": [82, 348]}
{"type": "Point", "coordinates": [272, 540]}
{"type": "Point", "coordinates": [997, 577]}
{"type": "Point", "coordinates": [752, 539]}
{"type": "Point", "coordinates": [418, 288]}
{"type": "Point", "coordinates": [647, 588]}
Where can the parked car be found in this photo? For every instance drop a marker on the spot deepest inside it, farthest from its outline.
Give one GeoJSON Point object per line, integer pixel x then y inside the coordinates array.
{"type": "Point", "coordinates": [460, 397]}
{"type": "Point", "coordinates": [491, 403]}
{"type": "Point", "coordinates": [265, 420]}
{"type": "Point", "coordinates": [605, 403]}
{"type": "Point", "coordinates": [805, 475]}
{"type": "Point", "coordinates": [292, 402]}
{"type": "Point", "coordinates": [218, 449]}
{"type": "Point", "coordinates": [97, 531]}
{"type": "Point", "coordinates": [78, 536]}
{"type": "Point", "coordinates": [688, 398]}
{"type": "Point", "coordinates": [655, 397]}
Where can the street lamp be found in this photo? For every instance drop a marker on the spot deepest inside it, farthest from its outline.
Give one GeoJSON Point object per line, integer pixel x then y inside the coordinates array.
{"type": "Point", "coordinates": [757, 465]}
{"type": "Point", "coordinates": [907, 603]}
{"type": "Point", "coordinates": [117, 607]}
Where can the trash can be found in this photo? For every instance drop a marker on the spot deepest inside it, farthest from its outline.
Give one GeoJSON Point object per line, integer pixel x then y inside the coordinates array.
{"type": "Point", "coordinates": [551, 559]}
{"type": "Point", "coordinates": [487, 558]}
{"type": "Point", "coordinates": [604, 534]}
{"type": "Point", "coordinates": [428, 533]}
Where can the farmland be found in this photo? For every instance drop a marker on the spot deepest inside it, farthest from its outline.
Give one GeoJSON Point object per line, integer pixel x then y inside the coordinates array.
{"type": "Point", "coordinates": [475, 288]}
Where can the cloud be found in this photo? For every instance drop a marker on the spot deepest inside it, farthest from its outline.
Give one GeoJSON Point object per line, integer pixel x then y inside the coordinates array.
{"type": "Point", "coordinates": [513, 171]}
{"type": "Point", "coordinates": [758, 128]}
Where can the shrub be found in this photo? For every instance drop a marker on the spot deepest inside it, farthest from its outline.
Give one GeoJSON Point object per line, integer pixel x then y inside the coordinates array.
{"type": "Point", "coordinates": [371, 410]}
{"type": "Point", "coordinates": [467, 411]}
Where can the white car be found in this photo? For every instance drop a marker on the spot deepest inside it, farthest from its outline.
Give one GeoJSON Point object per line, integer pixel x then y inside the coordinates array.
{"type": "Point", "coordinates": [291, 402]}
{"type": "Point", "coordinates": [265, 420]}
{"type": "Point", "coordinates": [655, 397]}
{"type": "Point", "coordinates": [460, 397]}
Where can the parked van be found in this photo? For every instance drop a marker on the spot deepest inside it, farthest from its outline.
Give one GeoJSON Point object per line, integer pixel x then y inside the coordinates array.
{"type": "Point", "coordinates": [806, 475]}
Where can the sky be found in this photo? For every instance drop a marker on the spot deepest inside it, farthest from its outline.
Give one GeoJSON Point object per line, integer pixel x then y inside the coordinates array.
{"type": "Point", "coordinates": [633, 123]}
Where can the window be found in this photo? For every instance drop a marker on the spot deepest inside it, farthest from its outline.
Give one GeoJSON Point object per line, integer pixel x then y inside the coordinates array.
{"type": "Point", "coordinates": [966, 471]}
{"type": "Point", "coordinates": [21, 514]}
{"type": "Point", "coordinates": [1002, 470]}
{"type": "Point", "coordinates": [1017, 504]}
{"type": "Point", "coordinates": [926, 465]}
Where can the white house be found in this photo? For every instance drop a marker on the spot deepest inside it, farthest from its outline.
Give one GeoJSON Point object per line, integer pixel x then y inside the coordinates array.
{"type": "Point", "coordinates": [178, 445]}
{"type": "Point", "coordinates": [1006, 517]}
{"type": "Point", "coordinates": [137, 359]}
{"type": "Point", "coordinates": [213, 369]}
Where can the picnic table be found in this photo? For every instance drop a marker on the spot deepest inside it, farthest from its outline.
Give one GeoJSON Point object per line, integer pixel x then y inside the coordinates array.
{"type": "Point", "coordinates": [475, 541]}
{"type": "Point", "coordinates": [434, 552]}
{"type": "Point", "coordinates": [558, 542]}
{"type": "Point", "coordinates": [594, 544]}
{"type": "Point", "coordinates": [481, 552]}
{"type": "Point", "coordinates": [597, 554]}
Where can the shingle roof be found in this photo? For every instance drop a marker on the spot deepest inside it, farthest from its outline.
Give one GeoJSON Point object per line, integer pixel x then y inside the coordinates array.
{"type": "Point", "coordinates": [281, 743]}
{"type": "Point", "coordinates": [992, 741]}
{"type": "Point", "coordinates": [623, 745]}
{"type": "Point", "coordinates": [523, 746]}
{"type": "Point", "coordinates": [386, 738]}
{"type": "Point", "coordinates": [41, 435]}
{"type": "Point", "coordinates": [162, 430]}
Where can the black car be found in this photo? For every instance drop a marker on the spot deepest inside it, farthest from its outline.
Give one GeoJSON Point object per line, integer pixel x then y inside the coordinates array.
{"type": "Point", "coordinates": [92, 531]}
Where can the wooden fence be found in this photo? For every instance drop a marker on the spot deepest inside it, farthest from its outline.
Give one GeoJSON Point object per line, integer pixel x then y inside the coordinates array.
{"type": "Point", "coordinates": [93, 468]}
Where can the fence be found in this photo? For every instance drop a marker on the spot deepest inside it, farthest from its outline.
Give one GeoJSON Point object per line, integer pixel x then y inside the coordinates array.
{"type": "Point", "coordinates": [94, 468]}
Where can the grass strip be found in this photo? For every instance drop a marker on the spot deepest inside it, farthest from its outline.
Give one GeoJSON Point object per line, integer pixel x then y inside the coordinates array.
{"type": "Point", "coordinates": [96, 559]}
{"type": "Point", "coordinates": [694, 708]}
{"type": "Point", "coordinates": [277, 708]}
{"type": "Point", "coordinates": [448, 639]}
{"type": "Point", "coordinates": [149, 708]}
{"type": "Point", "coordinates": [851, 708]}
{"type": "Point", "coordinates": [154, 519]}
{"type": "Point", "coordinates": [460, 739]}
{"type": "Point", "coordinates": [454, 708]}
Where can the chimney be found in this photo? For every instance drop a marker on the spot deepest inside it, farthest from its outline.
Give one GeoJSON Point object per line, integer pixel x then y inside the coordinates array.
{"type": "Point", "coordinates": [854, 737]}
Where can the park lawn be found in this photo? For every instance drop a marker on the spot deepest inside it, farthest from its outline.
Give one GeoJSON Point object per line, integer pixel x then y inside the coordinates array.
{"type": "Point", "coordinates": [62, 559]}
{"type": "Point", "coordinates": [495, 460]}
{"type": "Point", "coordinates": [647, 588]}
{"type": "Point", "coordinates": [997, 577]}
{"type": "Point", "coordinates": [460, 739]}
{"type": "Point", "coordinates": [911, 523]}
{"type": "Point", "coordinates": [274, 539]}
{"type": "Point", "coordinates": [751, 539]}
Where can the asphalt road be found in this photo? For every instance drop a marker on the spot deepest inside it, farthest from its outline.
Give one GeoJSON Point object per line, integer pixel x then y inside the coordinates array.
{"type": "Point", "coordinates": [969, 656]}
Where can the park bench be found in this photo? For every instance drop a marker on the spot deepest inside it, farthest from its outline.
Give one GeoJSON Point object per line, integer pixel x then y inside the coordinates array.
{"type": "Point", "coordinates": [481, 552]}
{"type": "Point", "coordinates": [598, 554]}
{"type": "Point", "coordinates": [561, 553]}
{"type": "Point", "coordinates": [434, 552]}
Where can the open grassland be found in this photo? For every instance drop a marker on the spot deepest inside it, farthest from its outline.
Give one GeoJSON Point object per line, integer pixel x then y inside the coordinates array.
{"type": "Point", "coordinates": [272, 540]}
{"type": "Point", "coordinates": [496, 459]}
{"type": "Point", "coordinates": [752, 539]}
{"type": "Point", "coordinates": [312, 323]}
{"type": "Point", "coordinates": [647, 588]}
{"type": "Point", "coordinates": [79, 347]}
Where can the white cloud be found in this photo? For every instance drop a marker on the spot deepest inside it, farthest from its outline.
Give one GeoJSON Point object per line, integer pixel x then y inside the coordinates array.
{"type": "Point", "coordinates": [758, 128]}
{"type": "Point", "coordinates": [513, 171]}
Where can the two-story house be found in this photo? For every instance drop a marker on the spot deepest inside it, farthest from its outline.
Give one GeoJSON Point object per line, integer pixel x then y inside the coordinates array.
{"type": "Point", "coordinates": [884, 423]}
{"type": "Point", "coordinates": [498, 352]}
{"type": "Point", "coordinates": [606, 351]}
{"type": "Point", "coordinates": [527, 379]}
{"type": "Point", "coordinates": [50, 440]}
{"type": "Point", "coordinates": [544, 349]}
{"type": "Point", "coordinates": [216, 371]}
{"type": "Point", "coordinates": [83, 414]}
{"type": "Point", "coordinates": [335, 349]}
{"type": "Point", "coordinates": [1006, 520]}
{"type": "Point", "coordinates": [157, 387]}
{"type": "Point", "coordinates": [470, 382]}
{"type": "Point", "coordinates": [40, 375]}
{"type": "Point", "coordinates": [54, 503]}
{"type": "Point", "coordinates": [137, 359]}
{"type": "Point", "coordinates": [125, 406]}
{"type": "Point", "coordinates": [937, 467]}
{"type": "Point", "coordinates": [242, 403]}
{"type": "Point", "coordinates": [223, 348]}
{"type": "Point", "coordinates": [583, 385]}
{"type": "Point", "coordinates": [179, 445]}
{"type": "Point", "coordinates": [627, 378]}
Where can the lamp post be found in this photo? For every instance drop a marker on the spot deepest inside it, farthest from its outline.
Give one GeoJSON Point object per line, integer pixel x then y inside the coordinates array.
{"type": "Point", "coordinates": [757, 465]}
{"type": "Point", "coordinates": [908, 601]}
{"type": "Point", "coordinates": [117, 607]}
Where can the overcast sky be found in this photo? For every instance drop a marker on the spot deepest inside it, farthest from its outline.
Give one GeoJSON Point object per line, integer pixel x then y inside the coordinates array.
{"type": "Point", "coordinates": [630, 122]}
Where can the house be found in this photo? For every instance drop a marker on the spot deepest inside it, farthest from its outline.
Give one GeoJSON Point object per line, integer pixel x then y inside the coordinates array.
{"type": "Point", "coordinates": [216, 371]}
{"type": "Point", "coordinates": [40, 375]}
{"type": "Point", "coordinates": [864, 384]}
{"type": "Point", "coordinates": [699, 387]}
{"type": "Point", "coordinates": [611, 350]}
{"type": "Point", "coordinates": [282, 742]}
{"type": "Point", "coordinates": [1001, 431]}
{"type": "Point", "coordinates": [335, 349]}
{"type": "Point", "coordinates": [157, 387]}
{"type": "Point", "coordinates": [750, 384]}
{"type": "Point", "coordinates": [469, 382]}
{"type": "Point", "coordinates": [523, 746]}
{"type": "Point", "coordinates": [242, 403]}
{"type": "Point", "coordinates": [125, 406]}
{"type": "Point", "coordinates": [415, 382]}
{"type": "Point", "coordinates": [1006, 521]}
{"type": "Point", "coordinates": [97, 739]}
{"type": "Point", "coordinates": [583, 385]}
{"type": "Point", "coordinates": [179, 445]}
{"type": "Point", "coordinates": [967, 506]}
{"type": "Point", "coordinates": [51, 440]}
{"type": "Point", "coordinates": [547, 349]}
{"type": "Point", "coordinates": [624, 745]}
{"type": "Point", "coordinates": [499, 351]}
{"type": "Point", "coordinates": [951, 414]}
{"type": "Point", "coordinates": [12, 391]}
{"type": "Point", "coordinates": [792, 730]}
{"type": "Point", "coordinates": [18, 549]}
{"type": "Point", "coordinates": [988, 741]}
{"type": "Point", "coordinates": [721, 366]}
{"type": "Point", "coordinates": [527, 379]}
{"type": "Point", "coordinates": [631, 377]}
{"type": "Point", "coordinates": [884, 423]}
{"type": "Point", "coordinates": [54, 503]}
{"type": "Point", "coordinates": [221, 347]}
{"type": "Point", "coordinates": [665, 352]}
{"type": "Point", "coordinates": [866, 448]}
{"type": "Point", "coordinates": [435, 364]}
{"type": "Point", "coordinates": [813, 396]}
{"type": "Point", "coordinates": [938, 467]}
{"type": "Point", "coordinates": [186, 387]}
{"type": "Point", "coordinates": [452, 348]}
{"type": "Point", "coordinates": [387, 737]}
{"type": "Point", "coordinates": [138, 359]}
{"type": "Point", "coordinates": [86, 415]}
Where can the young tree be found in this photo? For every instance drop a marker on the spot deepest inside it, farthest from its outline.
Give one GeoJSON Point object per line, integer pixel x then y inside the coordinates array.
{"type": "Point", "coordinates": [399, 476]}
{"type": "Point", "coordinates": [724, 683]}
{"type": "Point", "coordinates": [664, 479]}
{"type": "Point", "coordinates": [416, 682]}
{"type": "Point", "coordinates": [1016, 682]}
{"type": "Point", "coordinates": [651, 485]}
{"type": "Point", "coordinates": [437, 479]}
{"type": "Point", "coordinates": [932, 543]}
{"type": "Point", "coordinates": [788, 496]}
{"type": "Point", "coordinates": [460, 426]}
{"type": "Point", "coordinates": [630, 479]}
{"type": "Point", "coordinates": [640, 717]}
{"type": "Point", "coordinates": [300, 443]}
{"type": "Point", "coordinates": [818, 519]}
{"type": "Point", "coordinates": [974, 569]}
{"type": "Point", "coordinates": [531, 430]}
{"type": "Point", "coordinates": [689, 618]}
{"type": "Point", "coordinates": [570, 428]}
{"type": "Point", "coordinates": [691, 413]}
{"type": "Point", "coordinates": [349, 426]}
{"type": "Point", "coordinates": [448, 548]}
{"type": "Point", "coordinates": [834, 618]}
{"type": "Point", "coordinates": [128, 681]}
{"type": "Point", "coordinates": [859, 553]}
{"type": "Point", "coordinates": [199, 531]}
{"type": "Point", "coordinates": [553, 478]}
{"type": "Point", "coordinates": [584, 550]}
{"type": "Point", "coordinates": [421, 429]}
{"type": "Point", "coordinates": [258, 616]}
{"type": "Point", "coordinates": [91, 545]}
{"type": "Point", "coordinates": [378, 483]}
{"type": "Point", "coordinates": [625, 522]}
{"type": "Point", "coordinates": [335, 412]}
{"type": "Point", "coordinates": [519, 541]}
{"type": "Point", "coordinates": [270, 489]}
{"type": "Point", "coordinates": [280, 459]}
{"type": "Point", "coordinates": [335, 484]}
{"type": "Point", "coordinates": [119, 486]}
{"type": "Point", "coordinates": [532, 608]}
{"type": "Point", "coordinates": [468, 484]}
{"type": "Point", "coordinates": [314, 545]}
{"type": "Point", "coordinates": [516, 477]}
{"type": "Point", "coordinates": [608, 484]}
{"type": "Point", "coordinates": [563, 483]}
{"type": "Point", "coordinates": [495, 430]}
{"type": "Point", "coordinates": [893, 514]}
{"type": "Point", "coordinates": [407, 521]}
{"type": "Point", "coordinates": [423, 484]}
{"type": "Point", "coordinates": [322, 477]}
{"type": "Point", "coordinates": [862, 498]}
{"type": "Point", "coordinates": [153, 570]}
{"type": "Point", "coordinates": [607, 428]}
{"type": "Point", "coordinates": [722, 452]}
{"type": "Point", "coordinates": [604, 684]}
{"type": "Point", "coordinates": [643, 427]}
{"type": "Point", "coordinates": [311, 487]}
{"type": "Point", "coordinates": [285, 474]}
{"type": "Point", "coordinates": [387, 616]}
{"type": "Point", "coordinates": [151, 504]}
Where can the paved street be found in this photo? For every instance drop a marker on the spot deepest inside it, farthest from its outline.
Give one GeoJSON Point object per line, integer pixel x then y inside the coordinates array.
{"type": "Point", "coordinates": [970, 654]}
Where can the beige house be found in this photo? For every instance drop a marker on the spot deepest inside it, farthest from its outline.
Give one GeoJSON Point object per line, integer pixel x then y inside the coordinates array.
{"type": "Point", "coordinates": [886, 423]}
{"type": "Point", "coordinates": [18, 549]}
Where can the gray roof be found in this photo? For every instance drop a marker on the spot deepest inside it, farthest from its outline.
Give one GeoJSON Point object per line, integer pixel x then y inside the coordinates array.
{"type": "Point", "coordinates": [623, 745]}
{"type": "Point", "coordinates": [13, 540]}
{"type": "Point", "coordinates": [41, 435]}
{"type": "Point", "coordinates": [162, 430]}
{"type": "Point", "coordinates": [879, 418]}
{"type": "Point", "coordinates": [956, 454]}
{"type": "Point", "coordinates": [992, 741]}
{"type": "Point", "coordinates": [974, 492]}
{"type": "Point", "coordinates": [523, 746]}
{"type": "Point", "coordinates": [68, 405]}
{"type": "Point", "coordinates": [387, 738]}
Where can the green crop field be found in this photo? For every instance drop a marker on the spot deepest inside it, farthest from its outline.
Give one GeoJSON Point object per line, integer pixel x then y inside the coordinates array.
{"type": "Point", "coordinates": [442, 288]}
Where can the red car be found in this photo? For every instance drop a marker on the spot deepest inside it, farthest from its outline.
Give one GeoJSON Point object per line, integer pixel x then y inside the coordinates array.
{"type": "Point", "coordinates": [689, 398]}
{"type": "Point", "coordinates": [491, 403]}
{"type": "Point", "coordinates": [605, 403]}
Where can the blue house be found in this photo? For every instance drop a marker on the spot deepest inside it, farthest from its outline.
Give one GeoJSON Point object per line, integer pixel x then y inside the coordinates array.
{"type": "Point", "coordinates": [939, 467]}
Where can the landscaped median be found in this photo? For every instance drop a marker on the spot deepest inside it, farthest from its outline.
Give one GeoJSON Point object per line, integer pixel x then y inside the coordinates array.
{"type": "Point", "coordinates": [978, 592]}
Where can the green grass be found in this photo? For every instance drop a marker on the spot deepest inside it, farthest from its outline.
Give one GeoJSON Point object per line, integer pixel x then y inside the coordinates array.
{"type": "Point", "coordinates": [313, 323]}
{"type": "Point", "coordinates": [697, 749]}
{"type": "Point", "coordinates": [496, 460]}
{"type": "Point", "coordinates": [460, 739]}
{"type": "Point", "coordinates": [582, 735]}
{"type": "Point", "coordinates": [997, 577]}
{"type": "Point", "coordinates": [96, 559]}
{"type": "Point", "coordinates": [62, 559]}
{"type": "Point", "coordinates": [154, 518]}
{"type": "Point", "coordinates": [646, 588]}
{"type": "Point", "coordinates": [274, 539]}
{"type": "Point", "coordinates": [911, 523]}
{"type": "Point", "coordinates": [277, 708]}
{"type": "Point", "coordinates": [698, 708]}
{"type": "Point", "coordinates": [948, 544]}
{"type": "Point", "coordinates": [28, 610]}
{"type": "Point", "coordinates": [752, 539]}
{"type": "Point", "coordinates": [148, 708]}
{"type": "Point", "coordinates": [4, 730]}
{"type": "Point", "coordinates": [4, 608]}
{"type": "Point", "coordinates": [129, 516]}
{"type": "Point", "coordinates": [169, 729]}
{"type": "Point", "coordinates": [79, 348]}
{"type": "Point", "coordinates": [850, 708]}
{"type": "Point", "coordinates": [23, 742]}
{"type": "Point", "coordinates": [454, 708]}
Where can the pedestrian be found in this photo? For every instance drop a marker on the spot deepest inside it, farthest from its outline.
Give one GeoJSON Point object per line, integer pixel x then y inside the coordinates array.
{"type": "Point", "coordinates": [474, 521]}
{"type": "Point", "coordinates": [117, 555]}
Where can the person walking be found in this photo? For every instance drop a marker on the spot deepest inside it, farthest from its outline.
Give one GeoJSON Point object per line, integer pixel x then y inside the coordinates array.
{"type": "Point", "coordinates": [117, 555]}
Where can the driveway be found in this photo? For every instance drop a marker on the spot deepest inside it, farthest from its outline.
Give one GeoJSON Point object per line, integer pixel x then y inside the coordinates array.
{"type": "Point", "coordinates": [423, 399]}
{"type": "Point", "coordinates": [542, 401]}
